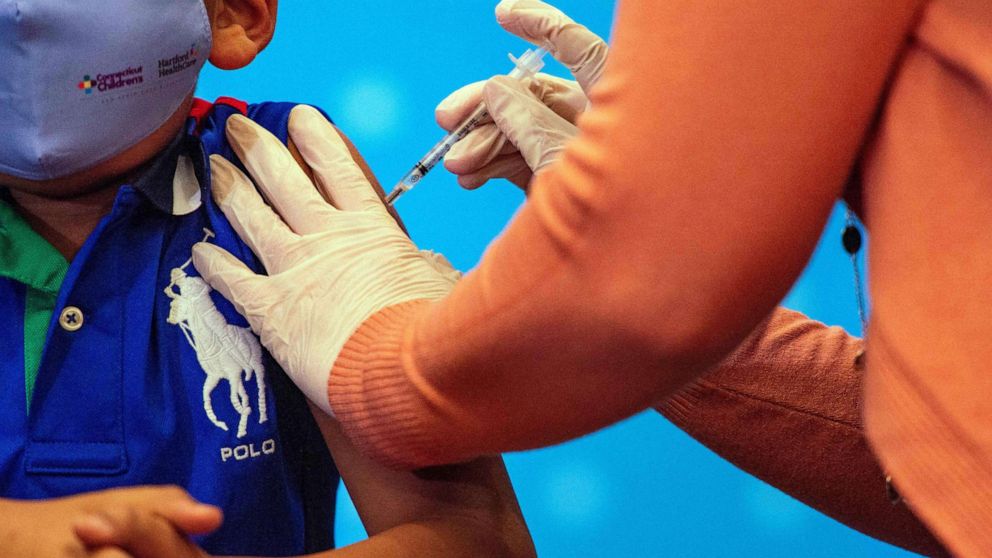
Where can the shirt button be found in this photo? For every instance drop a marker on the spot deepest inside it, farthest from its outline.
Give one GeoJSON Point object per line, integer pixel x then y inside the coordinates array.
{"type": "Point", "coordinates": [71, 318]}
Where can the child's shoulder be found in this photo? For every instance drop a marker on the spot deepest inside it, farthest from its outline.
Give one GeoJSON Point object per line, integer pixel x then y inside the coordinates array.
{"type": "Point", "coordinates": [272, 115]}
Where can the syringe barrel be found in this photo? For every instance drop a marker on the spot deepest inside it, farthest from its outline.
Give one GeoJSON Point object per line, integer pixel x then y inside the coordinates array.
{"type": "Point", "coordinates": [526, 66]}
{"type": "Point", "coordinates": [440, 151]}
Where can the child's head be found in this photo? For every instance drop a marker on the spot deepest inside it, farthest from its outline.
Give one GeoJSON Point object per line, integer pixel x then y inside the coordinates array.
{"type": "Point", "coordinates": [137, 62]}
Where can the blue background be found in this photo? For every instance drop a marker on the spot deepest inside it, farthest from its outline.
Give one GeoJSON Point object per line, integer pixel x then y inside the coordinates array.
{"type": "Point", "coordinates": [641, 488]}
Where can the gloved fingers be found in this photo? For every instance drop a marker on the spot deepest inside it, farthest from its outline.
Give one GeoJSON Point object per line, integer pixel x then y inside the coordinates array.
{"type": "Point", "coordinates": [512, 167]}
{"type": "Point", "coordinates": [455, 108]}
{"type": "Point", "coordinates": [255, 222]}
{"type": "Point", "coordinates": [441, 265]}
{"type": "Point", "coordinates": [339, 176]}
{"type": "Point", "coordinates": [277, 175]}
{"type": "Point", "coordinates": [563, 96]}
{"type": "Point", "coordinates": [230, 277]}
{"type": "Point", "coordinates": [477, 150]}
{"type": "Point", "coordinates": [485, 144]}
{"type": "Point", "coordinates": [579, 49]}
{"type": "Point", "coordinates": [537, 131]}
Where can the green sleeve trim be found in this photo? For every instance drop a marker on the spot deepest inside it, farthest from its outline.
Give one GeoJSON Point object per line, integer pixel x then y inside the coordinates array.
{"type": "Point", "coordinates": [26, 257]}
{"type": "Point", "coordinates": [38, 309]}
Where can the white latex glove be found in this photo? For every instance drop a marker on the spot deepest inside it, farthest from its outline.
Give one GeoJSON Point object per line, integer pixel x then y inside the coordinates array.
{"type": "Point", "coordinates": [331, 265]}
{"type": "Point", "coordinates": [529, 128]}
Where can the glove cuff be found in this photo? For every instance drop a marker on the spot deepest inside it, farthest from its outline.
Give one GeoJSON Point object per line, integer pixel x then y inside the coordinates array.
{"type": "Point", "coordinates": [372, 394]}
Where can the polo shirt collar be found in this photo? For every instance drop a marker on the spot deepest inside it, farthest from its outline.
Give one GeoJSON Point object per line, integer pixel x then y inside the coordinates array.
{"type": "Point", "coordinates": [25, 256]}
{"type": "Point", "coordinates": [171, 181]}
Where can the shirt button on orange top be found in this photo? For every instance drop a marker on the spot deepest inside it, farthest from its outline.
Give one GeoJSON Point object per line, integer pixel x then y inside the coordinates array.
{"type": "Point", "coordinates": [71, 318]}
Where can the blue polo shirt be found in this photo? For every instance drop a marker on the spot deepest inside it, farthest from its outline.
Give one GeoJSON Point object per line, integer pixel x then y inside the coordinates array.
{"type": "Point", "coordinates": [124, 368]}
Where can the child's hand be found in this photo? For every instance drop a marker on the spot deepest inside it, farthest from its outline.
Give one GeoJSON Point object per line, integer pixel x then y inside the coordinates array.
{"type": "Point", "coordinates": [146, 522]}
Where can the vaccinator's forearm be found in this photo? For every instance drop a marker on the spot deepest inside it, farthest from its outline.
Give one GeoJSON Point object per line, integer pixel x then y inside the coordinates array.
{"type": "Point", "coordinates": [786, 407]}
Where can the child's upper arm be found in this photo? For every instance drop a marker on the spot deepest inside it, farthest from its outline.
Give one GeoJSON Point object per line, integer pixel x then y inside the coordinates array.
{"type": "Point", "coordinates": [475, 499]}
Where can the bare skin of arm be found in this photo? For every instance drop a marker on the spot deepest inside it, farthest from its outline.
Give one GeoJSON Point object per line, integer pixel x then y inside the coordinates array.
{"type": "Point", "coordinates": [459, 510]}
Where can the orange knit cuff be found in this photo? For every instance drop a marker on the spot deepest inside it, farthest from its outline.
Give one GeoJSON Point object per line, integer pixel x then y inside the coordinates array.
{"type": "Point", "coordinates": [370, 392]}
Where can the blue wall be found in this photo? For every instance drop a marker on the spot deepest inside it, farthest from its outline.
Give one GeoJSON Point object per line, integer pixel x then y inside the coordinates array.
{"type": "Point", "coordinates": [642, 488]}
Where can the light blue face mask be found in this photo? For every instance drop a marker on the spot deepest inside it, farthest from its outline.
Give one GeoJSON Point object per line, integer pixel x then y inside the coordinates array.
{"type": "Point", "coordinates": [83, 80]}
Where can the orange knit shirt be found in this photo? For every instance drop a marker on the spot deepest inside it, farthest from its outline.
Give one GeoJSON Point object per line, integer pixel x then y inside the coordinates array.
{"type": "Point", "coordinates": [721, 136]}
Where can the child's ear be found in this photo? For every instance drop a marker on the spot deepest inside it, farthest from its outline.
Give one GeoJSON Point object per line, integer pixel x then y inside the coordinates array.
{"type": "Point", "coordinates": [241, 29]}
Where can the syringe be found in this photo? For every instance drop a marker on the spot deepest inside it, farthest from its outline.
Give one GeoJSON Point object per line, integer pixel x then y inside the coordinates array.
{"type": "Point", "coordinates": [527, 66]}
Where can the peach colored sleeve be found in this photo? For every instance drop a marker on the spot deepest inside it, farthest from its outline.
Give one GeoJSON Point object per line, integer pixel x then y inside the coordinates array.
{"type": "Point", "coordinates": [786, 408]}
{"type": "Point", "coordinates": [721, 136]}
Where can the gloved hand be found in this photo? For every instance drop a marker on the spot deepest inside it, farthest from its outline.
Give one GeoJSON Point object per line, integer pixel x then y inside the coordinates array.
{"type": "Point", "coordinates": [532, 122]}
{"type": "Point", "coordinates": [331, 265]}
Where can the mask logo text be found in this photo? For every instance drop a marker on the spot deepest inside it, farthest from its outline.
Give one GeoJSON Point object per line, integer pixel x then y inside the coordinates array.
{"type": "Point", "coordinates": [128, 77]}
{"type": "Point", "coordinates": [179, 62]}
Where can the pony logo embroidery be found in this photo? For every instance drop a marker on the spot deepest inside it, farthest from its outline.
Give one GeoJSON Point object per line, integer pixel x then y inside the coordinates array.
{"type": "Point", "coordinates": [224, 351]}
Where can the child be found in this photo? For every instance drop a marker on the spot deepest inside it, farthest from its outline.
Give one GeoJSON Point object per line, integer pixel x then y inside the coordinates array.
{"type": "Point", "coordinates": [119, 366]}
